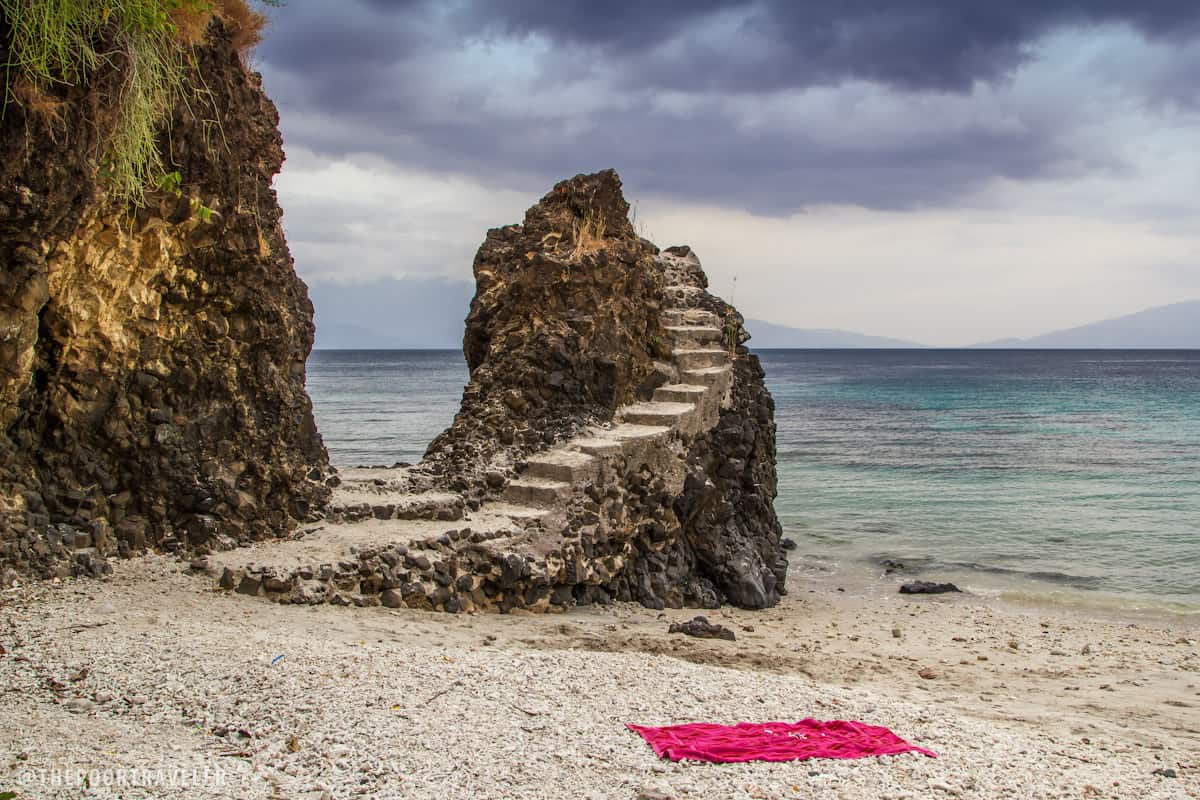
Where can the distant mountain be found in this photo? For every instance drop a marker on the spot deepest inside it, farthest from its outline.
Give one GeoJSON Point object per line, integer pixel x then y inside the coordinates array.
{"type": "Point", "coordinates": [356, 337]}
{"type": "Point", "coordinates": [768, 335]}
{"type": "Point", "coordinates": [1172, 327]}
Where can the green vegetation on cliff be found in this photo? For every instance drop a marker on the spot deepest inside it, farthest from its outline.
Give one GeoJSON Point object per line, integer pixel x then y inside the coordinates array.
{"type": "Point", "coordinates": [55, 44]}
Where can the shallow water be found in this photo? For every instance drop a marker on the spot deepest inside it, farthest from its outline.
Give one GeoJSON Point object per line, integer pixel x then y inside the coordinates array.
{"type": "Point", "coordinates": [1067, 475]}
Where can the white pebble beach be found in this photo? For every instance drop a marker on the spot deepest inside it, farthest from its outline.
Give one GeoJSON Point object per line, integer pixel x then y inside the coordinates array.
{"type": "Point", "coordinates": [151, 669]}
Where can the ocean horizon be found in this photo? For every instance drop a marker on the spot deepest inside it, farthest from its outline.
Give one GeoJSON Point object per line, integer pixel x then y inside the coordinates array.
{"type": "Point", "coordinates": [1069, 476]}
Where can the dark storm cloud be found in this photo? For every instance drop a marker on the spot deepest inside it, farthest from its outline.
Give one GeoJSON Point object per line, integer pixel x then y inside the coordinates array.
{"type": "Point", "coordinates": [387, 78]}
{"type": "Point", "coordinates": [911, 44]}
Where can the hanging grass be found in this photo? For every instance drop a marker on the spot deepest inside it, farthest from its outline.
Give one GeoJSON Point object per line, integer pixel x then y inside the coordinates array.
{"type": "Point", "coordinates": [58, 43]}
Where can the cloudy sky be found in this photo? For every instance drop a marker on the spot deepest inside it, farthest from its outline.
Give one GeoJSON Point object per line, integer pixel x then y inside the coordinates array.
{"type": "Point", "coordinates": [947, 171]}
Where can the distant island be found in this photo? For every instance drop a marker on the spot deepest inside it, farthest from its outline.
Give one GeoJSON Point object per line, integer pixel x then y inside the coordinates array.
{"type": "Point", "coordinates": [427, 314]}
{"type": "Point", "coordinates": [768, 335]}
{"type": "Point", "coordinates": [1171, 327]}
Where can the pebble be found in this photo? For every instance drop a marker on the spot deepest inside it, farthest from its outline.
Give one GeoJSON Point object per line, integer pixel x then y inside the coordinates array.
{"type": "Point", "coordinates": [374, 721]}
{"type": "Point", "coordinates": [928, 587]}
{"type": "Point", "coordinates": [653, 794]}
{"type": "Point", "coordinates": [702, 628]}
{"type": "Point", "coordinates": [79, 705]}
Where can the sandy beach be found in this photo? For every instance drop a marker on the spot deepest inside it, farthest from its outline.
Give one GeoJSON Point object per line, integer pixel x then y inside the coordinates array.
{"type": "Point", "coordinates": [152, 669]}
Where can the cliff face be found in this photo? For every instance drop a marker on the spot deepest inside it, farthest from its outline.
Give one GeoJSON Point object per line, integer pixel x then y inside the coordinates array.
{"type": "Point", "coordinates": [151, 360]}
{"type": "Point", "coordinates": [691, 518]}
{"type": "Point", "coordinates": [575, 320]}
{"type": "Point", "coordinates": [564, 327]}
{"type": "Point", "coordinates": [728, 546]}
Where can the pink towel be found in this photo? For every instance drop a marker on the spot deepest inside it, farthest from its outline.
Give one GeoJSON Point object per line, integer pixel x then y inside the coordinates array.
{"type": "Point", "coordinates": [774, 741]}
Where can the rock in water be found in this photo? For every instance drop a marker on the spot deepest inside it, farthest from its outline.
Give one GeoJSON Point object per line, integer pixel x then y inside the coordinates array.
{"type": "Point", "coordinates": [701, 628]}
{"type": "Point", "coordinates": [613, 394]}
{"type": "Point", "coordinates": [152, 362]}
{"type": "Point", "coordinates": [928, 587]}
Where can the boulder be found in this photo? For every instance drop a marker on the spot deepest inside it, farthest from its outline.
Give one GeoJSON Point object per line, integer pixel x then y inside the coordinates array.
{"type": "Point", "coordinates": [701, 628]}
{"type": "Point", "coordinates": [928, 587]}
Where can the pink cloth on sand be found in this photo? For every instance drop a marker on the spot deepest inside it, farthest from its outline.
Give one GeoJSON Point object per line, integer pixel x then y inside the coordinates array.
{"type": "Point", "coordinates": [774, 741]}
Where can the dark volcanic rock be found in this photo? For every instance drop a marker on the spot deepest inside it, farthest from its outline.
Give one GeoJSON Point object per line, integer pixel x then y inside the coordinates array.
{"type": "Point", "coordinates": [564, 327]}
{"type": "Point", "coordinates": [701, 628]}
{"type": "Point", "coordinates": [152, 366]}
{"type": "Point", "coordinates": [567, 327]}
{"type": "Point", "coordinates": [729, 549]}
{"type": "Point", "coordinates": [928, 587]}
{"type": "Point", "coordinates": [615, 420]}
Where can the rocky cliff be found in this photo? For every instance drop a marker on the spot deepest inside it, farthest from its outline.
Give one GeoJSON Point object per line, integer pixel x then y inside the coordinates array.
{"type": "Point", "coordinates": [564, 328]}
{"type": "Point", "coordinates": [616, 442]}
{"type": "Point", "coordinates": [151, 359]}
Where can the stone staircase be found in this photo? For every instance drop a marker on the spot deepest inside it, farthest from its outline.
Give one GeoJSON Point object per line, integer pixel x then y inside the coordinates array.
{"type": "Point", "coordinates": [521, 551]}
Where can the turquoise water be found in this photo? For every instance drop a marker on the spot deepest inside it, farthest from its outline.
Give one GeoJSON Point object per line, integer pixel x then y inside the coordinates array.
{"type": "Point", "coordinates": [1076, 470]}
{"type": "Point", "coordinates": [1070, 473]}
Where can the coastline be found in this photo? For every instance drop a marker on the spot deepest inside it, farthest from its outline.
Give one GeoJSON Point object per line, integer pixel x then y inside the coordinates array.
{"type": "Point", "coordinates": [337, 702]}
{"type": "Point", "coordinates": [859, 574]}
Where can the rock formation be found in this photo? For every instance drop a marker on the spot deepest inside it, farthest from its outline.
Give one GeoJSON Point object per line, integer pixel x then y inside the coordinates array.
{"type": "Point", "coordinates": [151, 360]}
{"type": "Point", "coordinates": [616, 441]}
{"type": "Point", "coordinates": [564, 328]}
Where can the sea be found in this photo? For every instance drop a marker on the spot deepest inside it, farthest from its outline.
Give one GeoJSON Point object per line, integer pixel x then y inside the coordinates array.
{"type": "Point", "coordinates": [1067, 477]}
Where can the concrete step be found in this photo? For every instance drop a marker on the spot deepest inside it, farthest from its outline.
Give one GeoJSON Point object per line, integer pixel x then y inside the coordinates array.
{"type": "Point", "coordinates": [693, 336]}
{"type": "Point", "coordinates": [690, 316]}
{"type": "Point", "coordinates": [632, 432]}
{"type": "Point", "coordinates": [331, 542]}
{"type": "Point", "coordinates": [563, 465]}
{"type": "Point", "coordinates": [638, 442]}
{"type": "Point", "coordinates": [700, 358]}
{"type": "Point", "coordinates": [520, 514]}
{"type": "Point", "coordinates": [622, 439]}
{"type": "Point", "coordinates": [597, 445]}
{"type": "Point", "coordinates": [680, 393]}
{"type": "Point", "coordinates": [536, 492]}
{"type": "Point", "coordinates": [673, 415]}
{"type": "Point", "coordinates": [719, 383]}
{"type": "Point", "coordinates": [351, 504]}
{"type": "Point", "coordinates": [707, 376]}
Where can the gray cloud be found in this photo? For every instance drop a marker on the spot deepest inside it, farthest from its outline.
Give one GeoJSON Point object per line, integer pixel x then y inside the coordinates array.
{"type": "Point", "coordinates": [766, 106]}
{"type": "Point", "coordinates": [908, 44]}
